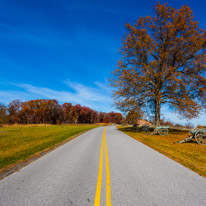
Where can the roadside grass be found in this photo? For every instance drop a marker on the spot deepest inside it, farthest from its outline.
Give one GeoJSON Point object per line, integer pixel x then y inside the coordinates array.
{"type": "Point", "coordinates": [20, 142]}
{"type": "Point", "coordinates": [191, 154]}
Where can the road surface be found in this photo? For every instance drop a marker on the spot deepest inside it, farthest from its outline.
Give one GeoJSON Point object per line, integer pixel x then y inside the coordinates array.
{"type": "Point", "coordinates": [91, 171]}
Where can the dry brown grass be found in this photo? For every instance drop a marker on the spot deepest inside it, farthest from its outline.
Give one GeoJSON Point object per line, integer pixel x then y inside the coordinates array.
{"type": "Point", "coordinates": [191, 154]}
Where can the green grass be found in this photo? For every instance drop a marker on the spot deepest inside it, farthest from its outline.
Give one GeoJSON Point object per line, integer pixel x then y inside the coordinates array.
{"type": "Point", "coordinates": [191, 154]}
{"type": "Point", "coordinates": [19, 142]}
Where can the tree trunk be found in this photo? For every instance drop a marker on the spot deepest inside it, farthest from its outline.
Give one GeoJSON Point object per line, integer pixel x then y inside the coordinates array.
{"type": "Point", "coordinates": [157, 113]}
{"type": "Point", "coordinates": [27, 118]}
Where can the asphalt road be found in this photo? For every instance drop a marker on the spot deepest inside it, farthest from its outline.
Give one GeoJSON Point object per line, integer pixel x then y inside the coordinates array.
{"type": "Point", "coordinates": [125, 173]}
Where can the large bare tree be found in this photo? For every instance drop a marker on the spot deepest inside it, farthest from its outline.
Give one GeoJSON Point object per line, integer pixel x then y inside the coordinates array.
{"type": "Point", "coordinates": [163, 62]}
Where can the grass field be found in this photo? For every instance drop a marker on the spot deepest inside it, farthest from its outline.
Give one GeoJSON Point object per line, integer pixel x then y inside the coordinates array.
{"type": "Point", "coordinates": [20, 142]}
{"type": "Point", "coordinates": [191, 155]}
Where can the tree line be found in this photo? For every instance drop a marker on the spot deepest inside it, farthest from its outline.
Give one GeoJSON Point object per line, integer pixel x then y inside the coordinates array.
{"type": "Point", "coordinates": [49, 111]}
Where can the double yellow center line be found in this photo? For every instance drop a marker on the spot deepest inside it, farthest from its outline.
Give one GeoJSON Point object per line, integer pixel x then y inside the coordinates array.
{"type": "Point", "coordinates": [99, 180]}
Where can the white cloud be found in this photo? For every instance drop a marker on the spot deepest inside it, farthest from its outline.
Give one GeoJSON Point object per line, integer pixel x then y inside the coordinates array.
{"type": "Point", "coordinates": [98, 98]}
{"type": "Point", "coordinates": [98, 94]}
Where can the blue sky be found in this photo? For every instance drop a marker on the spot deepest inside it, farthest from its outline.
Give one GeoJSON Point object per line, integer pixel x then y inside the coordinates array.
{"type": "Point", "coordinates": [66, 50]}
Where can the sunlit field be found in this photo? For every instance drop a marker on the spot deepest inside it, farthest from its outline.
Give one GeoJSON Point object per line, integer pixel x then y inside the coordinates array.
{"type": "Point", "coordinates": [19, 142]}
{"type": "Point", "coordinates": [191, 154]}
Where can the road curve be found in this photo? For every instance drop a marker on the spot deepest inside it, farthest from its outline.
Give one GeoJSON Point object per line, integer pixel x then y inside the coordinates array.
{"type": "Point", "coordinates": [135, 174]}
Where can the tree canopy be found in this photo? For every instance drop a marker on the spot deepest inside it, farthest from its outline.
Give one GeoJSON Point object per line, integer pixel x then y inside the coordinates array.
{"type": "Point", "coordinates": [163, 62]}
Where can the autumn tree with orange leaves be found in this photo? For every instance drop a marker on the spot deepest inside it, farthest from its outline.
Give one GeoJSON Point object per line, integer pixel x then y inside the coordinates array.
{"type": "Point", "coordinates": [49, 111]}
{"type": "Point", "coordinates": [163, 62]}
{"type": "Point", "coordinates": [3, 116]}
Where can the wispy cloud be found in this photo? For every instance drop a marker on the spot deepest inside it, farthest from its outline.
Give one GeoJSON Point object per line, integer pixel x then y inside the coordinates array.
{"type": "Point", "coordinates": [93, 94]}
{"type": "Point", "coordinates": [96, 97]}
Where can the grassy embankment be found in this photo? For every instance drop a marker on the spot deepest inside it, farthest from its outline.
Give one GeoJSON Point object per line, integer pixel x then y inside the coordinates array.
{"type": "Point", "coordinates": [17, 143]}
{"type": "Point", "coordinates": [191, 154]}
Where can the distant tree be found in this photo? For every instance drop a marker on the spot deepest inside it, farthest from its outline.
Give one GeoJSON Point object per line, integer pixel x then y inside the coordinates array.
{"type": "Point", "coordinates": [26, 113]}
{"type": "Point", "coordinates": [86, 115]}
{"type": "Point", "coordinates": [3, 116]}
{"type": "Point", "coordinates": [165, 122]}
{"type": "Point", "coordinates": [124, 121]}
{"type": "Point", "coordinates": [111, 117]}
{"type": "Point", "coordinates": [95, 115]}
{"type": "Point", "coordinates": [13, 110]}
{"type": "Point", "coordinates": [40, 111]}
{"type": "Point", "coordinates": [106, 119]}
{"type": "Point", "coordinates": [53, 111]}
{"type": "Point", "coordinates": [118, 118]}
{"type": "Point", "coordinates": [178, 125]}
{"type": "Point", "coordinates": [74, 116]}
{"type": "Point", "coordinates": [201, 126]}
{"type": "Point", "coordinates": [133, 116]}
{"type": "Point", "coordinates": [163, 62]}
{"type": "Point", "coordinates": [189, 125]}
{"type": "Point", "coordinates": [76, 111]}
{"type": "Point", "coordinates": [66, 108]}
{"type": "Point", "coordinates": [102, 116]}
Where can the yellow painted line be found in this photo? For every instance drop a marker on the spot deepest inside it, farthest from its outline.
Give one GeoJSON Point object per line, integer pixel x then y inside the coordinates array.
{"type": "Point", "coordinates": [108, 186]}
{"type": "Point", "coordinates": [99, 180]}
